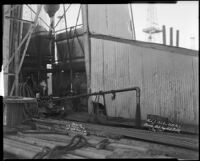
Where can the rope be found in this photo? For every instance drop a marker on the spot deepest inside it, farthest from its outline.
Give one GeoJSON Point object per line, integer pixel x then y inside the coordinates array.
{"type": "Point", "coordinates": [78, 141]}
{"type": "Point", "coordinates": [26, 91]}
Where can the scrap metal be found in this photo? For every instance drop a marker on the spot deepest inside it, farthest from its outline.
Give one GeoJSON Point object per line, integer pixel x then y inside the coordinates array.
{"type": "Point", "coordinates": [158, 123]}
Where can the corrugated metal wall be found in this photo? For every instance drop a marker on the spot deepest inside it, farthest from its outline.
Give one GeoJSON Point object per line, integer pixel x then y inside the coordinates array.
{"type": "Point", "coordinates": [168, 80]}
{"type": "Point", "coordinates": [110, 19]}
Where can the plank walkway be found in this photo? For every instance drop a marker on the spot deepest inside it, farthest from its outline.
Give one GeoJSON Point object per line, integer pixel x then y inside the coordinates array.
{"type": "Point", "coordinates": [26, 146]}
{"type": "Point", "coordinates": [172, 139]}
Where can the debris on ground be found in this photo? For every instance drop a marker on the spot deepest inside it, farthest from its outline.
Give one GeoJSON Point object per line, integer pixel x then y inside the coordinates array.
{"type": "Point", "coordinates": [158, 123]}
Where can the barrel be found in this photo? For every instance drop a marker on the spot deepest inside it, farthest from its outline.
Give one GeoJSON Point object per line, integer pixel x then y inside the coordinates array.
{"type": "Point", "coordinates": [13, 109]}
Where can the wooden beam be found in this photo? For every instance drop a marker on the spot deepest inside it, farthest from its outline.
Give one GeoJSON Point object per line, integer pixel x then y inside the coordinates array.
{"type": "Point", "coordinates": [6, 47]}
{"type": "Point", "coordinates": [17, 50]}
{"type": "Point", "coordinates": [70, 38]}
{"type": "Point", "coordinates": [87, 51]}
{"type": "Point", "coordinates": [144, 44]}
{"type": "Point", "coordinates": [16, 37]}
{"type": "Point", "coordinates": [132, 23]}
{"type": "Point", "coordinates": [25, 49]}
{"type": "Point", "coordinates": [19, 19]}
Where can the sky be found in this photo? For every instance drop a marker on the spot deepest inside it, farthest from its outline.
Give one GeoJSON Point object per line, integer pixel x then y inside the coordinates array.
{"type": "Point", "coordinates": [182, 16]}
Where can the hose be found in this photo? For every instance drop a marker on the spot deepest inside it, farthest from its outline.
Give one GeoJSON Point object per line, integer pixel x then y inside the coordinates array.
{"type": "Point", "coordinates": [26, 91]}
{"type": "Point", "coordinates": [78, 141]}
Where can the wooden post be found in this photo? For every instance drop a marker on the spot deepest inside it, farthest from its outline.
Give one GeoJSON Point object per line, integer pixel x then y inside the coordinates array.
{"type": "Point", "coordinates": [6, 47]}
{"type": "Point", "coordinates": [177, 38]}
{"type": "Point", "coordinates": [171, 36]}
{"type": "Point", "coordinates": [17, 34]}
{"type": "Point", "coordinates": [25, 49]}
{"type": "Point", "coordinates": [164, 34]}
{"type": "Point", "coordinates": [87, 51]}
{"type": "Point", "coordinates": [132, 23]}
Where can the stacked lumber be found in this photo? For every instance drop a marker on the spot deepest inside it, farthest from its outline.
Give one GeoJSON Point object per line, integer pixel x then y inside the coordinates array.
{"type": "Point", "coordinates": [28, 145]}
{"type": "Point", "coordinates": [177, 140]}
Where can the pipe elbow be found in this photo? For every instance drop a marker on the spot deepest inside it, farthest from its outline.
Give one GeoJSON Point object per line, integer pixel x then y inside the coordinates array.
{"type": "Point", "coordinates": [137, 91]}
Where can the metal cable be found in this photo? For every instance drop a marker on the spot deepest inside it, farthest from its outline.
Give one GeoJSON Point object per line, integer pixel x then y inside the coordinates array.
{"type": "Point", "coordinates": [78, 141]}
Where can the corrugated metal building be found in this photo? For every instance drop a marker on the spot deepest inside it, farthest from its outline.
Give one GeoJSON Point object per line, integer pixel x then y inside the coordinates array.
{"type": "Point", "coordinates": [167, 76]}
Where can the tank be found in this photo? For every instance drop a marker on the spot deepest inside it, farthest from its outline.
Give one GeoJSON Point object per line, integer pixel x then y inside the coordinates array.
{"type": "Point", "coordinates": [39, 43]}
{"type": "Point", "coordinates": [51, 9]}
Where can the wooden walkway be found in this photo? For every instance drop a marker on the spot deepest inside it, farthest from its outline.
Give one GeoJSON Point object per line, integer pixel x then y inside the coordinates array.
{"type": "Point", "coordinates": [28, 145]}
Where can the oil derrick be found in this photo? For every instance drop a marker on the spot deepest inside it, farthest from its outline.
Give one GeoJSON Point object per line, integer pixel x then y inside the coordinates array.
{"type": "Point", "coordinates": [152, 26]}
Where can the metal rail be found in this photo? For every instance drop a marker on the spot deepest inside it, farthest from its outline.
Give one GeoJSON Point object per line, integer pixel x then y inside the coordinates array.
{"type": "Point", "coordinates": [103, 93]}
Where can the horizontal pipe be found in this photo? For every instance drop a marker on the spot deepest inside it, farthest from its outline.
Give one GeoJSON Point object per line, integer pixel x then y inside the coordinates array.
{"type": "Point", "coordinates": [137, 89]}
{"type": "Point", "coordinates": [102, 92]}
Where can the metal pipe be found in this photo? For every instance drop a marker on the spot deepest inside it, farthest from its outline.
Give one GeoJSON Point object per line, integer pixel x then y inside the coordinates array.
{"type": "Point", "coordinates": [171, 36]}
{"type": "Point", "coordinates": [164, 34]}
{"type": "Point", "coordinates": [137, 89]}
{"type": "Point", "coordinates": [177, 38]}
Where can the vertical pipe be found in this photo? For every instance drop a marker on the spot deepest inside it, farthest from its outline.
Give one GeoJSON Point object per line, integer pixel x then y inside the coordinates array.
{"type": "Point", "coordinates": [171, 36]}
{"type": "Point", "coordinates": [164, 34]}
{"type": "Point", "coordinates": [177, 38]}
{"type": "Point", "coordinates": [51, 30]}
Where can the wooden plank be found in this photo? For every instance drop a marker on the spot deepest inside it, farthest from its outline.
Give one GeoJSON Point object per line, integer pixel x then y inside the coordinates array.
{"type": "Point", "coordinates": [85, 152]}
{"type": "Point", "coordinates": [21, 153]}
{"type": "Point", "coordinates": [139, 134]}
{"type": "Point", "coordinates": [176, 152]}
{"type": "Point", "coordinates": [71, 156]}
{"type": "Point", "coordinates": [6, 47]}
{"type": "Point", "coordinates": [59, 138]}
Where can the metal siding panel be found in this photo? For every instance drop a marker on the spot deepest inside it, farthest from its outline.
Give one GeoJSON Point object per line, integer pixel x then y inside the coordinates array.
{"type": "Point", "coordinates": [110, 19]}
{"type": "Point", "coordinates": [167, 80]}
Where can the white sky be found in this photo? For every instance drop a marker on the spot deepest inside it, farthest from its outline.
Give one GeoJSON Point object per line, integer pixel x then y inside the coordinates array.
{"type": "Point", "coordinates": [182, 16]}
